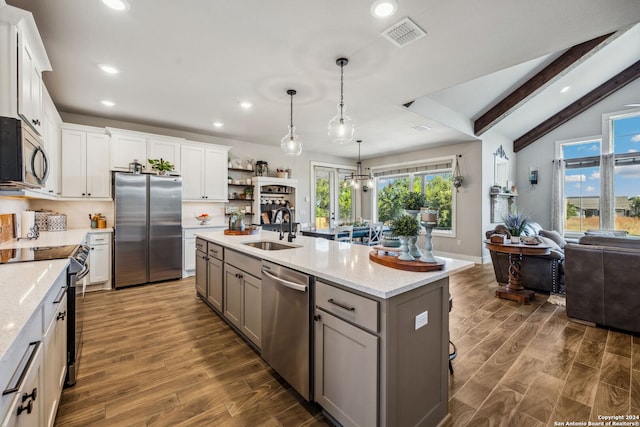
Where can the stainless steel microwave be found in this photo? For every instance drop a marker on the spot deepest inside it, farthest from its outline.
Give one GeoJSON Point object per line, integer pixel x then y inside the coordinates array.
{"type": "Point", "coordinates": [23, 161]}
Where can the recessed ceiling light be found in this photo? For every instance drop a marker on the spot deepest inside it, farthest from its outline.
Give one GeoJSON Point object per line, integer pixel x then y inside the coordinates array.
{"type": "Point", "coordinates": [565, 89]}
{"type": "Point", "coordinates": [384, 8]}
{"type": "Point", "coordinates": [421, 128]}
{"type": "Point", "coordinates": [107, 103]}
{"type": "Point", "coordinates": [246, 105]}
{"type": "Point", "coordinates": [218, 124]}
{"type": "Point", "coordinates": [109, 69]}
{"type": "Point", "coordinates": [117, 4]}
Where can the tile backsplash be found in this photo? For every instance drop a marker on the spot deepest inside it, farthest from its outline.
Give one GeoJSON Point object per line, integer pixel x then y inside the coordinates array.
{"type": "Point", "coordinates": [77, 211]}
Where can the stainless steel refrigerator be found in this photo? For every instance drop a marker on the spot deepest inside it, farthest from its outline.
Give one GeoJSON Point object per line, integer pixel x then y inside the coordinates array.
{"type": "Point", "coordinates": [148, 228]}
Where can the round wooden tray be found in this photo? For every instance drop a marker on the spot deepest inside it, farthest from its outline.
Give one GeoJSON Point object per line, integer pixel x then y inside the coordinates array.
{"type": "Point", "coordinates": [394, 262]}
{"type": "Point", "coordinates": [241, 232]}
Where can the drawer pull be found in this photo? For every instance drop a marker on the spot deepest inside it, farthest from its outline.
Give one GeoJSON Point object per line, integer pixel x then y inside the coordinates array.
{"type": "Point", "coordinates": [60, 295]}
{"type": "Point", "coordinates": [28, 407]}
{"type": "Point", "coordinates": [33, 395]}
{"type": "Point", "coordinates": [346, 307]}
{"type": "Point", "coordinates": [35, 345]}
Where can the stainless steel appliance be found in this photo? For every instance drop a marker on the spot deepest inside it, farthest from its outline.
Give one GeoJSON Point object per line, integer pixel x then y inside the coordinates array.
{"type": "Point", "coordinates": [78, 268]}
{"type": "Point", "coordinates": [286, 325]}
{"type": "Point", "coordinates": [23, 161]}
{"type": "Point", "coordinates": [148, 228]}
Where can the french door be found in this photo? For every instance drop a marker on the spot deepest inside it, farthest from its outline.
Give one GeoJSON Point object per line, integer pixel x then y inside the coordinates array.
{"type": "Point", "coordinates": [332, 202]}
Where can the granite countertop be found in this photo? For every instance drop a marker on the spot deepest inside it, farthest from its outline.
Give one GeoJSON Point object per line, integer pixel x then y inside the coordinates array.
{"type": "Point", "coordinates": [342, 263]}
{"type": "Point", "coordinates": [23, 285]}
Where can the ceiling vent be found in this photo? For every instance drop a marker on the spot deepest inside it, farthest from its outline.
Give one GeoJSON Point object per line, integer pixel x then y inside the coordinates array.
{"type": "Point", "coordinates": [403, 33]}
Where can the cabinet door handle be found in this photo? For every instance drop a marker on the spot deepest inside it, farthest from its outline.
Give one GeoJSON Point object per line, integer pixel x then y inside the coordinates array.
{"type": "Point", "coordinates": [33, 396]}
{"type": "Point", "coordinates": [28, 407]}
{"type": "Point", "coordinates": [317, 317]}
{"type": "Point", "coordinates": [239, 276]}
{"type": "Point", "coordinates": [61, 315]}
{"type": "Point", "coordinates": [346, 307]}
{"type": "Point", "coordinates": [16, 387]}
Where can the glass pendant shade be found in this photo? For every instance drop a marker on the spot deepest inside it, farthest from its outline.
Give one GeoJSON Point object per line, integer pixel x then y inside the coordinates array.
{"type": "Point", "coordinates": [341, 127]}
{"type": "Point", "coordinates": [291, 143]}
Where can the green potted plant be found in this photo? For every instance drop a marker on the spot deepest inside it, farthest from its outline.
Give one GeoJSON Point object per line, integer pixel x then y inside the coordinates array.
{"type": "Point", "coordinates": [405, 226]}
{"type": "Point", "coordinates": [413, 201]}
{"type": "Point", "coordinates": [515, 222]}
{"type": "Point", "coordinates": [163, 167]}
{"type": "Point", "coordinates": [248, 192]}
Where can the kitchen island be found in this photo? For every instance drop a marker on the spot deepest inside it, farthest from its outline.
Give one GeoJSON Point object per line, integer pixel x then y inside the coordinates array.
{"type": "Point", "coordinates": [379, 335]}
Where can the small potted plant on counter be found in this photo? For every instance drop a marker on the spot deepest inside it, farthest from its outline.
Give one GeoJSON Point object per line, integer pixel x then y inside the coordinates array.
{"type": "Point", "coordinates": [162, 167]}
{"type": "Point", "coordinates": [404, 227]}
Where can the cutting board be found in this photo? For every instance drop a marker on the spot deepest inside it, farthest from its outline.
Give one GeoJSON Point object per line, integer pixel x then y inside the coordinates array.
{"type": "Point", "coordinates": [6, 227]}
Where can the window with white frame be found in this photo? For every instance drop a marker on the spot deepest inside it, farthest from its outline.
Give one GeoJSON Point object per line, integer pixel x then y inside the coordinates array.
{"type": "Point", "coordinates": [602, 177]}
{"type": "Point", "coordinates": [433, 177]}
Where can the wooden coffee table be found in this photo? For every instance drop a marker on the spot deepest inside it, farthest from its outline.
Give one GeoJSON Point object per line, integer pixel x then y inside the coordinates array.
{"type": "Point", "coordinates": [514, 290]}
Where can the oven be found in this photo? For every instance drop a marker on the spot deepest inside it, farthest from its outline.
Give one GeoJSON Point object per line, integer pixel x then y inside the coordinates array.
{"type": "Point", "coordinates": [76, 286]}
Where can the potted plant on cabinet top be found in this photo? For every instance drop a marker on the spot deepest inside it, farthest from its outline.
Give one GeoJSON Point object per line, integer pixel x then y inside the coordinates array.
{"type": "Point", "coordinates": [163, 167]}
{"type": "Point", "coordinates": [515, 222]}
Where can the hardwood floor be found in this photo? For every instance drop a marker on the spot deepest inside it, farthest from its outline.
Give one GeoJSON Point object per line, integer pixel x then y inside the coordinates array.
{"type": "Point", "coordinates": [157, 356]}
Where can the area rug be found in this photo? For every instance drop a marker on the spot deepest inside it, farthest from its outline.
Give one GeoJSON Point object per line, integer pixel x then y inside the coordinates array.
{"type": "Point", "coordinates": [557, 299]}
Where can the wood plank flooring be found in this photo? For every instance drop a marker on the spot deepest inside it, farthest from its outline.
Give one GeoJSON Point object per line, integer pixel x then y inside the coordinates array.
{"type": "Point", "coordinates": [158, 356]}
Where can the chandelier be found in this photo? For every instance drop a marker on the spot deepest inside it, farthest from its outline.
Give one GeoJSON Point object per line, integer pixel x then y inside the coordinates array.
{"type": "Point", "coordinates": [341, 126]}
{"type": "Point", "coordinates": [357, 179]}
{"type": "Point", "coordinates": [291, 143]}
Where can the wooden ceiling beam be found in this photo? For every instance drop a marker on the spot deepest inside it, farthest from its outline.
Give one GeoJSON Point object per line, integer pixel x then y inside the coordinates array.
{"type": "Point", "coordinates": [563, 64]}
{"type": "Point", "coordinates": [598, 94]}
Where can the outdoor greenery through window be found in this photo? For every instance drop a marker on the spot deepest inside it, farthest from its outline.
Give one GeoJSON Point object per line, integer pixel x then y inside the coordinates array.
{"type": "Point", "coordinates": [434, 180]}
{"type": "Point", "coordinates": [584, 194]}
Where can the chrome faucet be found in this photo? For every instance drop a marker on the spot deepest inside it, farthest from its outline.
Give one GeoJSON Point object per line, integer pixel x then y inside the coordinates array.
{"type": "Point", "coordinates": [291, 235]}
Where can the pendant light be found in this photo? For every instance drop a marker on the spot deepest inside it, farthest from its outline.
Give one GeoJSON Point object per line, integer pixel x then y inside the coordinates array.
{"type": "Point", "coordinates": [291, 144]}
{"type": "Point", "coordinates": [341, 126]}
{"type": "Point", "coordinates": [355, 180]}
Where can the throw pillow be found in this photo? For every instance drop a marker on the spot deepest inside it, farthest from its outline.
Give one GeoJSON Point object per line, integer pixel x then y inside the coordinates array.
{"type": "Point", "coordinates": [555, 236]}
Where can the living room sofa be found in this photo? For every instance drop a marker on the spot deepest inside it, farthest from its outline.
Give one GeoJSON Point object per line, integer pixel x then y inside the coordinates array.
{"type": "Point", "coordinates": [602, 279]}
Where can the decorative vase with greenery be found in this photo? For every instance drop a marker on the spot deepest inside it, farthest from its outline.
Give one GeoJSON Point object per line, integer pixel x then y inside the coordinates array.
{"type": "Point", "coordinates": [515, 222]}
{"type": "Point", "coordinates": [404, 227]}
{"type": "Point", "coordinates": [248, 192]}
{"type": "Point", "coordinates": [161, 166]}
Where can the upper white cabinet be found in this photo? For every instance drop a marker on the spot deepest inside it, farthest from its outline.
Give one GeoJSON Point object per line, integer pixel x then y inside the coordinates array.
{"type": "Point", "coordinates": [51, 123]}
{"type": "Point", "coordinates": [204, 172]}
{"type": "Point", "coordinates": [85, 163]}
{"type": "Point", "coordinates": [130, 146]}
{"type": "Point", "coordinates": [22, 61]}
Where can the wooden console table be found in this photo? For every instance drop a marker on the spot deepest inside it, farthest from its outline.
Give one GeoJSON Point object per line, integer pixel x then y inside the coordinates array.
{"type": "Point", "coordinates": [514, 290]}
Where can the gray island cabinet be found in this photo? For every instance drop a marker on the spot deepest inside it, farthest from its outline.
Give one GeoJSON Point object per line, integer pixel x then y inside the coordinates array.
{"type": "Point", "coordinates": [379, 336]}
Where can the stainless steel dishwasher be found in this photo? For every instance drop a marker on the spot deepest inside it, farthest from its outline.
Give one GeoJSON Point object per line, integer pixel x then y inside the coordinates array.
{"type": "Point", "coordinates": [286, 325]}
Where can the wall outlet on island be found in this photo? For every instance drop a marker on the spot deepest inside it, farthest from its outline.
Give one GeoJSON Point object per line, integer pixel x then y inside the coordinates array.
{"type": "Point", "coordinates": [422, 319]}
{"type": "Point", "coordinates": [459, 242]}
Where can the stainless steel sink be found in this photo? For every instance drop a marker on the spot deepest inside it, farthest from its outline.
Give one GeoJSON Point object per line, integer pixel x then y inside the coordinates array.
{"type": "Point", "coordinates": [267, 245]}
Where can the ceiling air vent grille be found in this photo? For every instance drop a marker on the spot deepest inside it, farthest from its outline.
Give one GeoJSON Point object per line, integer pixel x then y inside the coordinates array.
{"type": "Point", "coordinates": [403, 33]}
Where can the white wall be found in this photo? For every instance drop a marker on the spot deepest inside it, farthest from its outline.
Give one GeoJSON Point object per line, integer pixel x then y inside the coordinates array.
{"type": "Point", "coordinates": [467, 243]}
{"type": "Point", "coordinates": [536, 202]}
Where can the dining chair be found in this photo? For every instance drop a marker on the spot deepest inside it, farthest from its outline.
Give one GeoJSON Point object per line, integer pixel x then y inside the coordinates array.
{"type": "Point", "coordinates": [375, 234]}
{"type": "Point", "coordinates": [343, 233]}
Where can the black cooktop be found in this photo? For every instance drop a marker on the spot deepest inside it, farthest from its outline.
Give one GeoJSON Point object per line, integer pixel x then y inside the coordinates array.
{"type": "Point", "coordinates": [42, 253]}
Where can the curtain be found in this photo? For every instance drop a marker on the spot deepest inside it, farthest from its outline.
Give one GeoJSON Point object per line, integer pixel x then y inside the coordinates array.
{"type": "Point", "coordinates": [607, 211]}
{"type": "Point", "coordinates": [557, 197]}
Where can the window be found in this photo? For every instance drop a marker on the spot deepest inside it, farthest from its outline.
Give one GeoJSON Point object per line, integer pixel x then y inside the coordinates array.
{"type": "Point", "coordinates": [602, 178]}
{"type": "Point", "coordinates": [434, 178]}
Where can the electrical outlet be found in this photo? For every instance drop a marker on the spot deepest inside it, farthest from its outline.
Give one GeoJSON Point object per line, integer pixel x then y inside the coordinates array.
{"type": "Point", "coordinates": [459, 242]}
{"type": "Point", "coordinates": [422, 319]}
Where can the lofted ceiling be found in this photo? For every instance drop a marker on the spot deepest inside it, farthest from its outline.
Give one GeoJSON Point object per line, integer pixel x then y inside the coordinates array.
{"type": "Point", "coordinates": [185, 64]}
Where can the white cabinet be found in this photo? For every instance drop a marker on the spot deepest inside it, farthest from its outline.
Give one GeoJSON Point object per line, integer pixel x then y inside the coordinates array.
{"type": "Point", "coordinates": [30, 85]}
{"type": "Point", "coordinates": [270, 193]}
{"type": "Point", "coordinates": [189, 248]}
{"type": "Point", "coordinates": [55, 352]}
{"type": "Point", "coordinates": [204, 172]}
{"type": "Point", "coordinates": [51, 123]}
{"type": "Point", "coordinates": [99, 258]}
{"type": "Point", "coordinates": [26, 409]}
{"type": "Point", "coordinates": [129, 146]}
{"type": "Point", "coordinates": [22, 61]}
{"type": "Point", "coordinates": [85, 164]}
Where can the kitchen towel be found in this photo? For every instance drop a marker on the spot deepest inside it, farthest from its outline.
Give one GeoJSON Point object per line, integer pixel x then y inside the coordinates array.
{"type": "Point", "coordinates": [27, 221]}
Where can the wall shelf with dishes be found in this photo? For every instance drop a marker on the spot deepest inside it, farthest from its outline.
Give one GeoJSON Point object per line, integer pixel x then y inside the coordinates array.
{"type": "Point", "coordinates": [240, 190]}
{"type": "Point", "coordinates": [271, 194]}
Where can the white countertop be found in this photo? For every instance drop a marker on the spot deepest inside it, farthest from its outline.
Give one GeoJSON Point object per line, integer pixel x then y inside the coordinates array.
{"type": "Point", "coordinates": [342, 263]}
{"type": "Point", "coordinates": [23, 285]}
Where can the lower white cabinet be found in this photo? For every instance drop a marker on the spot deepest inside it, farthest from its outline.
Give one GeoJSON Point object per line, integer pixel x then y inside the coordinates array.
{"type": "Point", "coordinates": [26, 410]}
{"type": "Point", "coordinates": [189, 248]}
{"type": "Point", "coordinates": [55, 353]}
{"type": "Point", "coordinates": [99, 258]}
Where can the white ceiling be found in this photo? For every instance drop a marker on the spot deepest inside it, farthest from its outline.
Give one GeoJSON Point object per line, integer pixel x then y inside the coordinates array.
{"type": "Point", "coordinates": [187, 63]}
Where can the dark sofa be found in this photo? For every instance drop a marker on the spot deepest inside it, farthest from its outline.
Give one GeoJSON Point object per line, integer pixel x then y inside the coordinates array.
{"type": "Point", "coordinates": [602, 278]}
